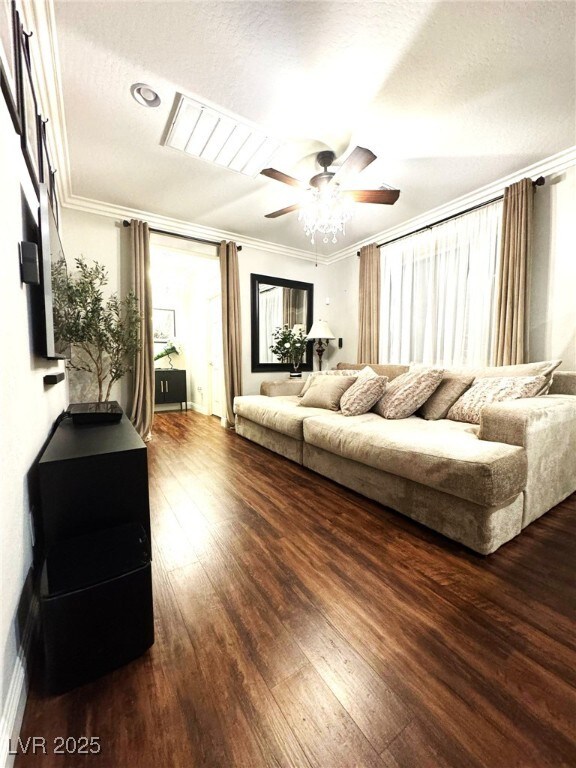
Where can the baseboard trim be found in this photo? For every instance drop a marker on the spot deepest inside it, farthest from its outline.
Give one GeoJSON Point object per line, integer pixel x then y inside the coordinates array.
{"type": "Point", "coordinates": [198, 408]}
{"type": "Point", "coordinates": [13, 711]}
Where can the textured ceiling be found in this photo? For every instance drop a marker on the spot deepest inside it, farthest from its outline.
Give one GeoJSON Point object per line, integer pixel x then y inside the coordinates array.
{"type": "Point", "coordinates": [450, 96]}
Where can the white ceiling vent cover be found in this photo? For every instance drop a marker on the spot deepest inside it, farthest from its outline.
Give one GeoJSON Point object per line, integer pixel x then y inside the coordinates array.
{"type": "Point", "coordinates": [223, 139]}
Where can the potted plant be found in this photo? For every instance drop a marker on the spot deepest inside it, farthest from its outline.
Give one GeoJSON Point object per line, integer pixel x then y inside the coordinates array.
{"type": "Point", "coordinates": [289, 347]}
{"type": "Point", "coordinates": [104, 333]}
{"type": "Point", "coordinates": [172, 347]}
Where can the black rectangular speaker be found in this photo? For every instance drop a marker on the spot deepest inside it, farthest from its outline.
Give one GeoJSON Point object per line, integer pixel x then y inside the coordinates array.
{"type": "Point", "coordinates": [95, 606]}
{"type": "Point", "coordinates": [29, 265]}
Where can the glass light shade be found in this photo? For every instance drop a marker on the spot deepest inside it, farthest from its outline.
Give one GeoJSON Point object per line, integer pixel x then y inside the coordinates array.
{"type": "Point", "coordinates": [326, 212]}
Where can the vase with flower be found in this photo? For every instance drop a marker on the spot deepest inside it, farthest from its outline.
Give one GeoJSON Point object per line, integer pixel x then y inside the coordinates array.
{"type": "Point", "coordinates": [290, 347]}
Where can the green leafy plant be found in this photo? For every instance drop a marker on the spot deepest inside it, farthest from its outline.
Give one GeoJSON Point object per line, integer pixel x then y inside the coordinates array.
{"type": "Point", "coordinates": [289, 347]}
{"type": "Point", "coordinates": [104, 333]}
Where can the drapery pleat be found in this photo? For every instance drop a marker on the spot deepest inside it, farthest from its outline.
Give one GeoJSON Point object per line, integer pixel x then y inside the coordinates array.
{"type": "Point", "coordinates": [369, 304]}
{"type": "Point", "coordinates": [438, 292]}
{"type": "Point", "coordinates": [142, 409]}
{"type": "Point", "coordinates": [510, 341]}
{"type": "Point", "coordinates": [231, 328]}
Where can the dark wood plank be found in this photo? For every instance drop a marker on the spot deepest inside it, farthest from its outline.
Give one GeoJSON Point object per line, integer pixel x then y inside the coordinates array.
{"type": "Point", "coordinates": [326, 731]}
{"type": "Point", "coordinates": [253, 728]}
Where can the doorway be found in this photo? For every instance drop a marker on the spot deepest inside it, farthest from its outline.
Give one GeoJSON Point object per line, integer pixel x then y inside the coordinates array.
{"type": "Point", "coordinates": [185, 279]}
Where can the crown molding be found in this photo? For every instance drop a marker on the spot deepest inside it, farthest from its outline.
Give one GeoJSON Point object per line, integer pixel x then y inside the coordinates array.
{"type": "Point", "coordinates": [550, 165]}
{"type": "Point", "coordinates": [181, 227]}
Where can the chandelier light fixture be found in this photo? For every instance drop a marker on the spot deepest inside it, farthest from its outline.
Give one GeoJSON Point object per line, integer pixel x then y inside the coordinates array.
{"type": "Point", "coordinates": [325, 212]}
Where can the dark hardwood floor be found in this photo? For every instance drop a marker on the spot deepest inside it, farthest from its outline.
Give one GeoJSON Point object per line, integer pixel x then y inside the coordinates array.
{"type": "Point", "coordinates": [298, 624]}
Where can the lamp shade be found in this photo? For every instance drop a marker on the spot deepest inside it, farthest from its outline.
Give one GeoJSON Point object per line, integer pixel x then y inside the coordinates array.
{"type": "Point", "coordinates": [320, 330]}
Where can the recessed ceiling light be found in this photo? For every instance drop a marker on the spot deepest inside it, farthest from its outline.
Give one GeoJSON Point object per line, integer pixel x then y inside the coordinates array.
{"type": "Point", "coordinates": [145, 95]}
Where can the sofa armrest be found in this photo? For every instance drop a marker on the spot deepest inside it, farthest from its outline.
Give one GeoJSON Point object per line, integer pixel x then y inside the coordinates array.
{"type": "Point", "coordinates": [520, 422]}
{"type": "Point", "coordinates": [285, 387]}
{"type": "Point", "coordinates": [563, 383]}
{"type": "Point", "coordinates": [546, 428]}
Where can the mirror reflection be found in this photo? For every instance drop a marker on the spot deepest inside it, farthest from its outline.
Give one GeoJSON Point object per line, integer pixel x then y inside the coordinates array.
{"type": "Point", "coordinates": [276, 303]}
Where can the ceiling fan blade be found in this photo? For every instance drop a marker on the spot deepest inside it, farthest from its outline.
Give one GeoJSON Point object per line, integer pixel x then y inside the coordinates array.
{"type": "Point", "coordinates": [282, 211]}
{"type": "Point", "coordinates": [385, 196]}
{"type": "Point", "coordinates": [272, 173]}
{"type": "Point", "coordinates": [359, 159]}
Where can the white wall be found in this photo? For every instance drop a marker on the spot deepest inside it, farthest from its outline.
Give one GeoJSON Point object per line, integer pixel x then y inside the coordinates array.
{"type": "Point", "coordinates": [101, 239]}
{"type": "Point", "coordinates": [337, 283]}
{"type": "Point", "coordinates": [28, 409]}
{"type": "Point", "coordinates": [552, 327]}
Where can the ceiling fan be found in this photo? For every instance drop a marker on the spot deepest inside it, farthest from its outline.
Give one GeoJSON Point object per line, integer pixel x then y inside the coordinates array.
{"type": "Point", "coordinates": [358, 159]}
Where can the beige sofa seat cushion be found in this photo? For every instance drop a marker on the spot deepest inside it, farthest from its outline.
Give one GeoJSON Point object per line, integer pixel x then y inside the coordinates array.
{"type": "Point", "coordinates": [444, 455]}
{"type": "Point", "coordinates": [282, 414]}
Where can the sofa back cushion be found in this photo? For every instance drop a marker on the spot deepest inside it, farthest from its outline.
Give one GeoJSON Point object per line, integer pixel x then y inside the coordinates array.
{"type": "Point", "coordinates": [407, 392]}
{"type": "Point", "coordinates": [494, 390]}
{"type": "Point", "coordinates": [316, 374]}
{"type": "Point", "coordinates": [382, 369]}
{"type": "Point", "coordinates": [543, 368]}
{"type": "Point", "coordinates": [326, 392]}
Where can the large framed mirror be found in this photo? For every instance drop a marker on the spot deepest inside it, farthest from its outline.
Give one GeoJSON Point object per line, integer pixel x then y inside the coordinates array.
{"type": "Point", "coordinates": [276, 302]}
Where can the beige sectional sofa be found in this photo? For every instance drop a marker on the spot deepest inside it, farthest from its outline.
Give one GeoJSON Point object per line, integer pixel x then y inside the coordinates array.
{"type": "Point", "coordinates": [479, 485]}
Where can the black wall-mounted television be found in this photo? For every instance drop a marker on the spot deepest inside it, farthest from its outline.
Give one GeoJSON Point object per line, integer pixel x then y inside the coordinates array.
{"type": "Point", "coordinates": [51, 259]}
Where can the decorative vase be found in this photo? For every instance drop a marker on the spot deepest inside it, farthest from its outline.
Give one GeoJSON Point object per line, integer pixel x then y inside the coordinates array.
{"type": "Point", "coordinates": [295, 373]}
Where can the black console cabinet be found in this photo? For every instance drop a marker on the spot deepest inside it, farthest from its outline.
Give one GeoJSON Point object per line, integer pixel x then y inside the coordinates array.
{"type": "Point", "coordinates": [170, 386]}
{"type": "Point", "coordinates": [96, 585]}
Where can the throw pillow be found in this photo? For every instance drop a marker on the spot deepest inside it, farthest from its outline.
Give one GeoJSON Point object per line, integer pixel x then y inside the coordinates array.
{"type": "Point", "coordinates": [493, 390]}
{"type": "Point", "coordinates": [452, 386]}
{"type": "Point", "coordinates": [407, 392]}
{"type": "Point", "coordinates": [316, 374]}
{"type": "Point", "coordinates": [326, 392]}
{"type": "Point", "coordinates": [543, 368]}
{"type": "Point", "coordinates": [362, 395]}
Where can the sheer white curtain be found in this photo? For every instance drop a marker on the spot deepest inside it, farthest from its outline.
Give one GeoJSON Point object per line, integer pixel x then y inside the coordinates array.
{"type": "Point", "coordinates": [437, 297]}
{"type": "Point", "coordinates": [271, 313]}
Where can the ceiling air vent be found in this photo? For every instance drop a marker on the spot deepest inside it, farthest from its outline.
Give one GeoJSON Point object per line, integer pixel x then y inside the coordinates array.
{"type": "Point", "coordinates": [220, 138]}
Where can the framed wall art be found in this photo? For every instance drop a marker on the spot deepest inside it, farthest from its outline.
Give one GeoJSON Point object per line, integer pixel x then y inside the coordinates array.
{"type": "Point", "coordinates": [30, 121]}
{"type": "Point", "coordinates": [9, 59]}
{"type": "Point", "coordinates": [163, 324]}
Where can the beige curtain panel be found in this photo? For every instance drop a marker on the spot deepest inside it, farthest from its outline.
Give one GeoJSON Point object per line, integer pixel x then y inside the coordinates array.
{"type": "Point", "coordinates": [142, 410]}
{"type": "Point", "coordinates": [231, 328]}
{"type": "Point", "coordinates": [369, 304]}
{"type": "Point", "coordinates": [511, 298]}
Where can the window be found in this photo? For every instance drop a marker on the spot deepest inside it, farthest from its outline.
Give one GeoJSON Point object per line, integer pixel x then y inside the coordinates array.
{"type": "Point", "coordinates": [437, 292]}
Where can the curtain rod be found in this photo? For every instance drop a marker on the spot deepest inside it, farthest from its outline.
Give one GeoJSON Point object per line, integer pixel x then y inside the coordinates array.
{"type": "Point", "coordinates": [126, 223]}
{"type": "Point", "coordinates": [540, 181]}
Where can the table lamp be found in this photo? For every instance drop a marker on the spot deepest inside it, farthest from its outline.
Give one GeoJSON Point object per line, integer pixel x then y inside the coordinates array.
{"type": "Point", "coordinates": [321, 333]}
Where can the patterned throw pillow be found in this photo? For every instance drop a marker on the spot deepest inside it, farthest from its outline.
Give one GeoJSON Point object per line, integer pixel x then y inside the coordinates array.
{"type": "Point", "coordinates": [362, 395]}
{"type": "Point", "coordinates": [326, 392]}
{"type": "Point", "coordinates": [493, 390]}
{"type": "Point", "coordinates": [406, 393]}
{"type": "Point", "coordinates": [310, 379]}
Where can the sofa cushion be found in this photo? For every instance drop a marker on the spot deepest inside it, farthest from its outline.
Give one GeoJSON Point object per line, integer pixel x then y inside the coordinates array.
{"type": "Point", "coordinates": [452, 386]}
{"type": "Point", "coordinates": [363, 394]}
{"type": "Point", "coordinates": [326, 392]}
{"type": "Point", "coordinates": [493, 390]}
{"type": "Point", "coordinates": [542, 368]}
{"type": "Point", "coordinates": [281, 414]}
{"type": "Point", "coordinates": [316, 374]}
{"type": "Point", "coordinates": [407, 392]}
{"type": "Point", "coordinates": [445, 455]}
{"type": "Point", "coordinates": [382, 369]}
